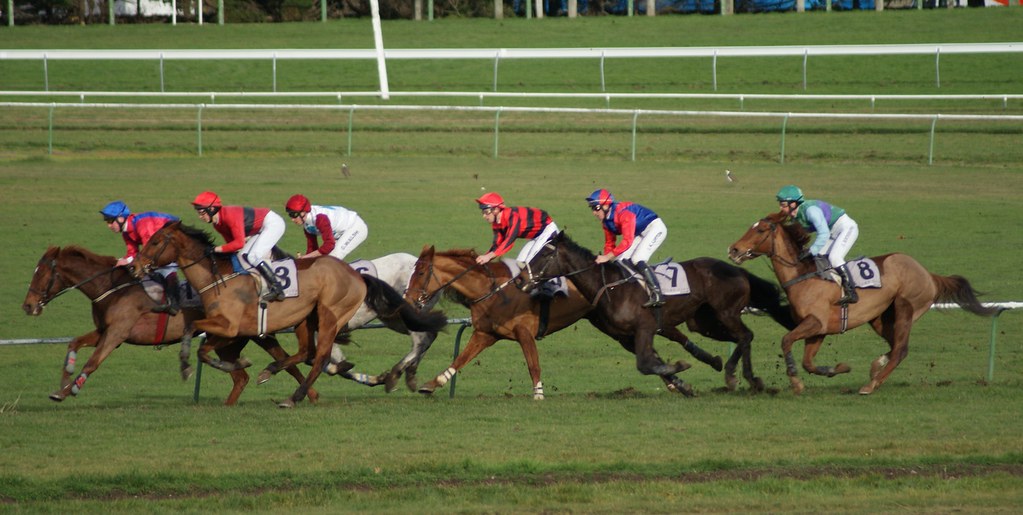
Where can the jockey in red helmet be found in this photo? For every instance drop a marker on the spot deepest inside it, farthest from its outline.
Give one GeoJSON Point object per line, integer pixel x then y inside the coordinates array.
{"type": "Point", "coordinates": [136, 229]}
{"type": "Point", "coordinates": [511, 223]}
{"type": "Point", "coordinates": [642, 232]}
{"type": "Point", "coordinates": [342, 229]}
{"type": "Point", "coordinates": [249, 232]}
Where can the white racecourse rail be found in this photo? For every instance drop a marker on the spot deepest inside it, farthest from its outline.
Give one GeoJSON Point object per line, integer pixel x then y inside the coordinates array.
{"type": "Point", "coordinates": [497, 54]}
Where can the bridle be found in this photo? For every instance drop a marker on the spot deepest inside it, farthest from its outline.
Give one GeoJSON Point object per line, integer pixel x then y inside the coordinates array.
{"type": "Point", "coordinates": [45, 297]}
{"type": "Point", "coordinates": [540, 277]}
{"type": "Point", "coordinates": [773, 254]}
{"type": "Point", "coordinates": [426, 298]}
{"type": "Point", "coordinates": [165, 240]}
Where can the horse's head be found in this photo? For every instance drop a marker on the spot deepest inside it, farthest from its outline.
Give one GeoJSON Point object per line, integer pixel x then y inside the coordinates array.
{"type": "Point", "coordinates": [44, 284]}
{"type": "Point", "coordinates": [418, 293]}
{"type": "Point", "coordinates": [173, 243]}
{"type": "Point", "coordinates": [545, 264]}
{"type": "Point", "coordinates": [761, 238]}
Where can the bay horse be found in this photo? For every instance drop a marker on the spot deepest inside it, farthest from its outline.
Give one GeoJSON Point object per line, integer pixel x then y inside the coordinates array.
{"type": "Point", "coordinates": [331, 293]}
{"type": "Point", "coordinates": [121, 312]}
{"type": "Point", "coordinates": [719, 294]}
{"type": "Point", "coordinates": [906, 293]}
{"type": "Point", "coordinates": [499, 312]}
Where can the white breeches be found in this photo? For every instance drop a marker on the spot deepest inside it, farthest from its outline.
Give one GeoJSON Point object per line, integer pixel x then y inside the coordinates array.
{"type": "Point", "coordinates": [646, 243]}
{"type": "Point", "coordinates": [350, 239]}
{"type": "Point", "coordinates": [534, 245]}
{"type": "Point", "coordinates": [258, 246]}
{"type": "Point", "coordinates": [843, 236]}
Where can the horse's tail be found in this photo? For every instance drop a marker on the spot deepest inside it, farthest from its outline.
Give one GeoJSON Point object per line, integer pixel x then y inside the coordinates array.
{"type": "Point", "coordinates": [765, 296]}
{"type": "Point", "coordinates": [957, 290]}
{"type": "Point", "coordinates": [390, 306]}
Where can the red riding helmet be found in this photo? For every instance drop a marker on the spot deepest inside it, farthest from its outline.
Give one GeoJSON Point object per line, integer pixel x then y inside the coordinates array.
{"type": "Point", "coordinates": [206, 199]}
{"type": "Point", "coordinates": [298, 203]}
{"type": "Point", "coordinates": [489, 200]}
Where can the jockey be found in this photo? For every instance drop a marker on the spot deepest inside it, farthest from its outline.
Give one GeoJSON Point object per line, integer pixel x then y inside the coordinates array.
{"type": "Point", "coordinates": [836, 232]}
{"type": "Point", "coordinates": [342, 229]}
{"type": "Point", "coordinates": [251, 232]}
{"type": "Point", "coordinates": [511, 223]}
{"type": "Point", "coordinates": [642, 232]}
{"type": "Point", "coordinates": [136, 229]}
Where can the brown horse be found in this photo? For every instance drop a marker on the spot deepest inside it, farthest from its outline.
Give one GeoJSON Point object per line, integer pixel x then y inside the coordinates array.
{"type": "Point", "coordinates": [907, 292]}
{"type": "Point", "coordinates": [331, 292]}
{"type": "Point", "coordinates": [121, 312]}
{"type": "Point", "coordinates": [719, 294]}
{"type": "Point", "coordinates": [499, 312]}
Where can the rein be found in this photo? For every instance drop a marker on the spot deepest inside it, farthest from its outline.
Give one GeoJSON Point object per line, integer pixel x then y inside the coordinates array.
{"type": "Point", "coordinates": [425, 298]}
{"type": "Point", "coordinates": [774, 255]}
{"type": "Point", "coordinates": [46, 298]}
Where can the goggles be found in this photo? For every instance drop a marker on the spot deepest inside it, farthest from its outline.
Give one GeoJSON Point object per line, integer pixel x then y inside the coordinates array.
{"type": "Point", "coordinates": [294, 214]}
{"type": "Point", "coordinates": [109, 219]}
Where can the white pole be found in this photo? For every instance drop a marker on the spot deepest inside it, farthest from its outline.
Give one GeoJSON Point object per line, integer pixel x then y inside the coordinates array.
{"type": "Point", "coordinates": [378, 41]}
{"type": "Point", "coordinates": [174, 12]}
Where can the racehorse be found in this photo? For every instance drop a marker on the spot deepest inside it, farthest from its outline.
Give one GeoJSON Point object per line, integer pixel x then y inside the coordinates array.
{"type": "Point", "coordinates": [331, 293]}
{"type": "Point", "coordinates": [499, 312]}
{"type": "Point", "coordinates": [713, 308]}
{"type": "Point", "coordinates": [396, 270]}
{"type": "Point", "coordinates": [121, 311]}
{"type": "Point", "coordinates": [906, 293]}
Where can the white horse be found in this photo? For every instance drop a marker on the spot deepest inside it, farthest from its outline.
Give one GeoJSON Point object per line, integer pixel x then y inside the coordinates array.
{"type": "Point", "coordinates": [395, 270]}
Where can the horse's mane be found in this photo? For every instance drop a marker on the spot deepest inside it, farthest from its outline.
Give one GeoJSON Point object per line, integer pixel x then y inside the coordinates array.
{"type": "Point", "coordinates": [572, 246]}
{"type": "Point", "coordinates": [459, 254]}
{"type": "Point", "coordinates": [197, 234]}
{"type": "Point", "coordinates": [76, 251]}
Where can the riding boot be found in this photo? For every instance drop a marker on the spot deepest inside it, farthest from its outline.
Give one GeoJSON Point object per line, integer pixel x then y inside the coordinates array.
{"type": "Point", "coordinates": [275, 291]}
{"type": "Point", "coordinates": [848, 288]}
{"type": "Point", "coordinates": [651, 282]}
{"type": "Point", "coordinates": [171, 293]}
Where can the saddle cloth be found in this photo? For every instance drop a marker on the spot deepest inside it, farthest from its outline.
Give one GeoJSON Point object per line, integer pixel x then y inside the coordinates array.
{"type": "Point", "coordinates": [672, 279]}
{"type": "Point", "coordinates": [284, 269]}
{"type": "Point", "coordinates": [555, 286]}
{"type": "Point", "coordinates": [864, 273]}
{"type": "Point", "coordinates": [365, 267]}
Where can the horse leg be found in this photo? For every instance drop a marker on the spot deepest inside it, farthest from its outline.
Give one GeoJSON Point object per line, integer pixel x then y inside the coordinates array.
{"type": "Point", "coordinates": [108, 341]}
{"type": "Point", "coordinates": [677, 336]}
{"type": "Point", "coordinates": [808, 327]}
{"type": "Point", "coordinates": [895, 324]}
{"type": "Point", "coordinates": [329, 326]}
{"type": "Point", "coordinates": [304, 333]}
{"type": "Point", "coordinates": [230, 351]}
{"type": "Point", "coordinates": [273, 347]}
{"type": "Point", "coordinates": [184, 353]}
{"type": "Point", "coordinates": [89, 339]}
{"type": "Point", "coordinates": [524, 335]}
{"type": "Point", "coordinates": [218, 325]}
{"type": "Point", "coordinates": [421, 342]}
{"type": "Point", "coordinates": [810, 350]}
{"type": "Point", "coordinates": [648, 362]}
{"type": "Point", "coordinates": [478, 342]}
{"type": "Point", "coordinates": [215, 343]}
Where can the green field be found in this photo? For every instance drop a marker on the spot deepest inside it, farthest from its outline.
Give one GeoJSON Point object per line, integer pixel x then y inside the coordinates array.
{"type": "Point", "coordinates": [938, 437]}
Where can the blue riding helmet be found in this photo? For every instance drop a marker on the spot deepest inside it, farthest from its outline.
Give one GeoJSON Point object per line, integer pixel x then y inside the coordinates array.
{"type": "Point", "coordinates": [115, 209]}
{"type": "Point", "coordinates": [600, 197]}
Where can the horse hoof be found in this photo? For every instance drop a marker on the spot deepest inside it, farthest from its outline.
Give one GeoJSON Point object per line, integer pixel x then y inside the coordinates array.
{"type": "Point", "coordinates": [56, 397]}
{"type": "Point", "coordinates": [186, 373]}
{"type": "Point", "coordinates": [286, 404]}
{"type": "Point", "coordinates": [264, 376]}
{"type": "Point", "coordinates": [717, 364]}
{"type": "Point", "coordinates": [242, 363]}
{"type": "Point", "coordinates": [868, 388]}
{"type": "Point", "coordinates": [843, 368]}
{"type": "Point", "coordinates": [731, 383]}
{"type": "Point", "coordinates": [426, 390]}
{"type": "Point", "coordinates": [411, 382]}
{"type": "Point", "coordinates": [390, 381]}
{"type": "Point", "coordinates": [682, 366]}
{"type": "Point", "coordinates": [313, 396]}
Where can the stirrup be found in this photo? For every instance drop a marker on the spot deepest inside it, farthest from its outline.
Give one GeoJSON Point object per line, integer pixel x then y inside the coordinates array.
{"type": "Point", "coordinates": [167, 307]}
{"type": "Point", "coordinates": [654, 302]}
{"type": "Point", "coordinates": [848, 297]}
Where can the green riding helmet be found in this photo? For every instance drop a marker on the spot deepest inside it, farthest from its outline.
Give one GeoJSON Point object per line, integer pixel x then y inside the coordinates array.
{"type": "Point", "coordinates": [790, 193]}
